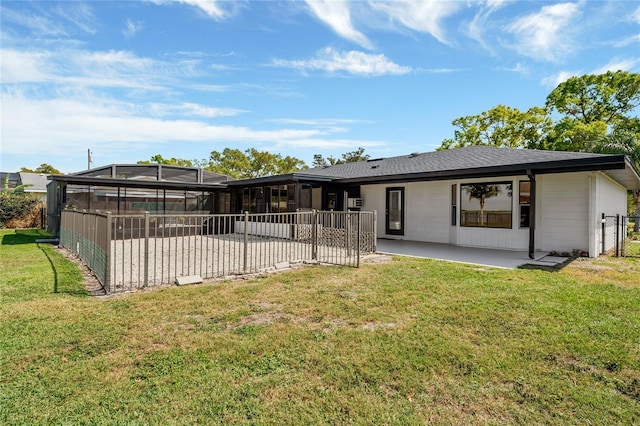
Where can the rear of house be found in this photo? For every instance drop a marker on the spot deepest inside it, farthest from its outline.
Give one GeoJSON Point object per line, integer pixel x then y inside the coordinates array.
{"type": "Point", "coordinates": [478, 196]}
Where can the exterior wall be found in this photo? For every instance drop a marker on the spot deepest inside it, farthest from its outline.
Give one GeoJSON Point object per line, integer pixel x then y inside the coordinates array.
{"type": "Point", "coordinates": [562, 212]}
{"type": "Point", "coordinates": [610, 198]}
{"type": "Point", "coordinates": [569, 208]}
{"type": "Point", "coordinates": [426, 210]}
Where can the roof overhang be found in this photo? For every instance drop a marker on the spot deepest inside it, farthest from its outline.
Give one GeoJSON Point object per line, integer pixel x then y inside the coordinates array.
{"type": "Point", "coordinates": [605, 163]}
{"type": "Point", "coordinates": [628, 176]}
{"type": "Point", "coordinates": [134, 183]}
{"type": "Point", "coordinates": [282, 179]}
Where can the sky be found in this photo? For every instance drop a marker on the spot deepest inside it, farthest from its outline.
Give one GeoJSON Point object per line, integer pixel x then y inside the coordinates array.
{"type": "Point", "coordinates": [129, 80]}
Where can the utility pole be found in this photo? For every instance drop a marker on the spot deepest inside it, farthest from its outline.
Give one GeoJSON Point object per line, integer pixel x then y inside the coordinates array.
{"type": "Point", "coordinates": [89, 159]}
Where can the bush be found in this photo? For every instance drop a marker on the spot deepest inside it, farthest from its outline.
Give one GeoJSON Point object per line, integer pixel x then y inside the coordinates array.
{"type": "Point", "coordinates": [19, 209]}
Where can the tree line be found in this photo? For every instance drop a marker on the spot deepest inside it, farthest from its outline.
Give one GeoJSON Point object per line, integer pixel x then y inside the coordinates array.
{"type": "Point", "coordinates": [252, 163]}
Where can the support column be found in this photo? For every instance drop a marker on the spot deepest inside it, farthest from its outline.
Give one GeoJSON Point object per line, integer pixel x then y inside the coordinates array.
{"type": "Point", "coordinates": [532, 213]}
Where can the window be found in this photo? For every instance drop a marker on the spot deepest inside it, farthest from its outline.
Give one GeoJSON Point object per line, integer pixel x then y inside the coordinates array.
{"type": "Point", "coordinates": [486, 205]}
{"type": "Point", "coordinates": [454, 204]}
{"type": "Point", "coordinates": [524, 201]}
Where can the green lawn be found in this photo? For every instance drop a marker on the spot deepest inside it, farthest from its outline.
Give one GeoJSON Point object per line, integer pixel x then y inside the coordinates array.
{"type": "Point", "coordinates": [407, 342]}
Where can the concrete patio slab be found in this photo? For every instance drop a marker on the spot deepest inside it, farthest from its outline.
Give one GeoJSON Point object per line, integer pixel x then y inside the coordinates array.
{"type": "Point", "coordinates": [507, 259]}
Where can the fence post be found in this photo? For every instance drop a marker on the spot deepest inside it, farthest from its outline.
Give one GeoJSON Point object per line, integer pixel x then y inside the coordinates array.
{"type": "Point", "coordinates": [604, 237]}
{"type": "Point", "coordinates": [107, 275]}
{"type": "Point", "coordinates": [246, 241]}
{"type": "Point", "coordinates": [359, 232]}
{"type": "Point", "coordinates": [347, 229]}
{"type": "Point", "coordinates": [314, 235]}
{"type": "Point", "coordinates": [374, 225]}
{"type": "Point", "coordinates": [146, 249]}
{"type": "Point", "coordinates": [617, 235]}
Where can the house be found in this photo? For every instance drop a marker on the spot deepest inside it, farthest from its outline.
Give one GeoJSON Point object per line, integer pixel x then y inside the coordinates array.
{"type": "Point", "coordinates": [477, 196]}
{"type": "Point", "coordinates": [35, 183]}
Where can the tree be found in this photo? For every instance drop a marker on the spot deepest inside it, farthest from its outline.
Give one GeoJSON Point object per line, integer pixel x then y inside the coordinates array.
{"type": "Point", "coordinates": [628, 143]}
{"type": "Point", "coordinates": [501, 126]}
{"type": "Point", "coordinates": [577, 115]}
{"type": "Point", "coordinates": [159, 159]}
{"type": "Point", "coordinates": [605, 97]}
{"type": "Point", "coordinates": [591, 106]}
{"type": "Point", "coordinates": [347, 157]}
{"type": "Point", "coordinates": [44, 168]}
{"type": "Point", "coordinates": [251, 163]}
{"type": "Point", "coordinates": [482, 191]}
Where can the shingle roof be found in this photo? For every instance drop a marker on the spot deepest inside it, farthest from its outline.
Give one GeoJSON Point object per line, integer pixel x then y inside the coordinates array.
{"type": "Point", "coordinates": [462, 160]}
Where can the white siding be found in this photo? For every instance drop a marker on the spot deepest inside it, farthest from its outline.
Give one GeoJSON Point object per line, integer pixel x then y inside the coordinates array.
{"type": "Point", "coordinates": [568, 212]}
{"type": "Point", "coordinates": [611, 199]}
{"type": "Point", "coordinates": [373, 197]}
{"type": "Point", "coordinates": [562, 213]}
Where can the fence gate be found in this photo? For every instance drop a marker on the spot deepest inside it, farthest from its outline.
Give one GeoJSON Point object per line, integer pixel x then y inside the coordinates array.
{"type": "Point", "coordinates": [620, 235]}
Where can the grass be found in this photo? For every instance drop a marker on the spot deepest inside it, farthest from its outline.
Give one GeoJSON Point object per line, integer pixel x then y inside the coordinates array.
{"type": "Point", "coordinates": [408, 342]}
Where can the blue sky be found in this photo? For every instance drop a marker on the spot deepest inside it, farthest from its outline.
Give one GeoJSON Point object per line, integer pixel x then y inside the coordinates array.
{"type": "Point", "coordinates": [182, 78]}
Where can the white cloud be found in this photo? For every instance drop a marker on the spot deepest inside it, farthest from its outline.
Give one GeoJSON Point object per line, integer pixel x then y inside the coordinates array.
{"type": "Point", "coordinates": [635, 16]}
{"type": "Point", "coordinates": [210, 7]}
{"type": "Point", "coordinates": [481, 23]}
{"type": "Point", "coordinates": [618, 64]}
{"type": "Point", "coordinates": [423, 16]}
{"type": "Point", "coordinates": [132, 28]}
{"type": "Point", "coordinates": [336, 14]}
{"type": "Point", "coordinates": [39, 25]}
{"type": "Point", "coordinates": [79, 14]}
{"type": "Point", "coordinates": [66, 125]}
{"type": "Point", "coordinates": [545, 35]}
{"type": "Point", "coordinates": [190, 109]}
{"type": "Point", "coordinates": [562, 76]}
{"type": "Point", "coordinates": [119, 69]}
{"type": "Point", "coordinates": [517, 68]}
{"type": "Point", "coordinates": [627, 41]}
{"type": "Point", "coordinates": [352, 62]}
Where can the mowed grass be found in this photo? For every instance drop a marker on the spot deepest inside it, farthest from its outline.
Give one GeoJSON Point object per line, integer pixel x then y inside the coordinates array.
{"type": "Point", "coordinates": [407, 342]}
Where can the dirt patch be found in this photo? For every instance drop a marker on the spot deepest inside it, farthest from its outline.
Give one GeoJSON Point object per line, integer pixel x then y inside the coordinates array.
{"type": "Point", "coordinates": [375, 258]}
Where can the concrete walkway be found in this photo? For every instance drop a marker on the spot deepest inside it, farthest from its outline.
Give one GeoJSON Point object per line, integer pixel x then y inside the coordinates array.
{"type": "Point", "coordinates": [477, 256]}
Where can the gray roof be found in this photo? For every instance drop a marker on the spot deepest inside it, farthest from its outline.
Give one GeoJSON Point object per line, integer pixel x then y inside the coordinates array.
{"type": "Point", "coordinates": [468, 162]}
{"type": "Point", "coordinates": [472, 158]}
{"type": "Point", "coordinates": [34, 182]}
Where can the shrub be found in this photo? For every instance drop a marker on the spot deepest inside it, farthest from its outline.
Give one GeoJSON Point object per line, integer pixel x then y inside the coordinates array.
{"type": "Point", "coordinates": [19, 209]}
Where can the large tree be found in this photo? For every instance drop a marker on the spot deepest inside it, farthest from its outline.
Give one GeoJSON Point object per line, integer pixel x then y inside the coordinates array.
{"type": "Point", "coordinates": [44, 168]}
{"type": "Point", "coordinates": [590, 107]}
{"type": "Point", "coordinates": [577, 115]}
{"type": "Point", "coordinates": [251, 163]}
{"type": "Point", "coordinates": [501, 126]}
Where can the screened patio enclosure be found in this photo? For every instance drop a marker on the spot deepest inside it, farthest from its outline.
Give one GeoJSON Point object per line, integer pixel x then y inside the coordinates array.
{"type": "Point", "coordinates": [137, 188]}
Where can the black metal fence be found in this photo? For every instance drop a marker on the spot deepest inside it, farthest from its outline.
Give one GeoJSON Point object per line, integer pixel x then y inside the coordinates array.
{"type": "Point", "coordinates": [128, 252]}
{"type": "Point", "coordinates": [619, 237]}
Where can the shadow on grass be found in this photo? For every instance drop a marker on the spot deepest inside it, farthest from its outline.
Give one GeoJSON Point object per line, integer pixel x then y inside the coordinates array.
{"type": "Point", "coordinates": [56, 280]}
{"type": "Point", "coordinates": [24, 236]}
